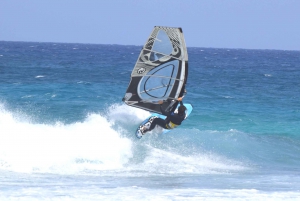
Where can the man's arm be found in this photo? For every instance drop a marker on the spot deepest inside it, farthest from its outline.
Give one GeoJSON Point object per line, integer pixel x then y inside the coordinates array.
{"type": "Point", "coordinates": [162, 110]}
{"type": "Point", "coordinates": [181, 95]}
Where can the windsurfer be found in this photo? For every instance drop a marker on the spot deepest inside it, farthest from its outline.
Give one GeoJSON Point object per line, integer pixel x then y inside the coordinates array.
{"type": "Point", "coordinates": [172, 119]}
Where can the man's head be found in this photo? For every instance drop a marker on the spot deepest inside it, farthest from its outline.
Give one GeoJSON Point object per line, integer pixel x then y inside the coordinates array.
{"type": "Point", "coordinates": [181, 109]}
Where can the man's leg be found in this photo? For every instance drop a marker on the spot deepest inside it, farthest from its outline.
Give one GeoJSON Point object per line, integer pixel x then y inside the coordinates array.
{"type": "Point", "coordinates": [158, 121]}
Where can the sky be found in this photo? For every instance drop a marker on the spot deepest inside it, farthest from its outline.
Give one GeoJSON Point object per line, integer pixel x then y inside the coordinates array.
{"type": "Point", "coordinates": [247, 24]}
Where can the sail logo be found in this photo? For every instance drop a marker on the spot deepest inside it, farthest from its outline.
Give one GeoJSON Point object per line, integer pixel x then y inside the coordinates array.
{"type": "Point", "coordinates": [141, 70]}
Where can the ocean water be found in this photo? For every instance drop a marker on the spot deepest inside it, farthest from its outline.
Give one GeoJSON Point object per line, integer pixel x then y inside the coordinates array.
{"type": "Point", "coordinates": [65, 134]}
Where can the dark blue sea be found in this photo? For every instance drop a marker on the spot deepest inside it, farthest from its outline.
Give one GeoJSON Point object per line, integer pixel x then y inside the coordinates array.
{"type": "Point", "coordinates": [65, 133]}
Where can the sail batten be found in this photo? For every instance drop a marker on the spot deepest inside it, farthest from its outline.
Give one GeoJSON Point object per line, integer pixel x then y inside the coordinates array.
{"type": "Point", "coordinates": [160, 72]}
{"type": "Point", "coordinates": [172, 78]}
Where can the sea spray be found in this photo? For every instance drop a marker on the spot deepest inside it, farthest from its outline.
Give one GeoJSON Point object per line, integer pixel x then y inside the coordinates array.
{"type": "Point", "coordinates": [168, 153]}
{"type": "Point", "coordinates": [61, 148]}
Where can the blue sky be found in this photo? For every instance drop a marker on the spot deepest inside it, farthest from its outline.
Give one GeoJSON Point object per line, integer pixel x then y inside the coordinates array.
{"type": "Point", "coordinates": [250, 24]}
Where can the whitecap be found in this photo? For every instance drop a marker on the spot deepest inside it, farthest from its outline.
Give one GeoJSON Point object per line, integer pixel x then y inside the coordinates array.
{"type": "Point", "coordinates": [27, 96]}
{"type": "Point", "coordinates": [227, 96]}
{"type": "Point", "coordinates": [83, 82]}
{"type": "Point", "coordinates": [39, 76]}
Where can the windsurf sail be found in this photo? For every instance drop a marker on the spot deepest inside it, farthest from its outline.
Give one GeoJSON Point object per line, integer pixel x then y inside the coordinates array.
{"type": "Point", "coordinates": [160, 72]}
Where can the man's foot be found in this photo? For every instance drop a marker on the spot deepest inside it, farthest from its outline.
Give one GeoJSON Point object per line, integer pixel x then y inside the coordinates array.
{"type": "Point", "coordinates": [144, 130]}
{"type": "Point", "coordinates": [140, 132]}
{"type": "Point", "coordinates": [146, 127]}
{"type": "Point", "coordinates": [151, 119]}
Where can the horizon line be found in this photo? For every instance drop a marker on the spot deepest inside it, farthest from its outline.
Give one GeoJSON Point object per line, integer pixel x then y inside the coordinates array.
{"type": "Point", "coordinates": [239, 48]}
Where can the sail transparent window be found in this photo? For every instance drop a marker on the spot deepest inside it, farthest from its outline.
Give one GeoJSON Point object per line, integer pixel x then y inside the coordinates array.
{"type": "Point", "coordinates": [162, 45]}
{"type": "Point", "coordinates": [158, 82]}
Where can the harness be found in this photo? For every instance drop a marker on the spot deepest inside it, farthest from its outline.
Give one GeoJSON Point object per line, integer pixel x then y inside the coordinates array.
{"type": "Point", "coordinates": [171, 125]}
{"type": "Point", "coordinates": [178, 120]}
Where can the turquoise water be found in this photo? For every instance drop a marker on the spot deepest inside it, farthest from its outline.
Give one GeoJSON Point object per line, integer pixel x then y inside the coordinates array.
{"type": "Point", "coordinates": [66, 135]}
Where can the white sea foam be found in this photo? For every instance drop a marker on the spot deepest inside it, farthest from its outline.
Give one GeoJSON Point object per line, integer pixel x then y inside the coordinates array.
{"type": "Point", "coordinates": [126, 114]}
{"type": "Point", "coordinates": [97, 145]}
{"type": "Point", "coordinates": [228, 97]}
{"type": "Point", "coordinates": [95, 156]}
{"type": "Point", "coordinates": [160, 161]}
{"type": "Point", "coordinates": [27, 96]}
{"type": "Point", "coordinates": [86, 191]}
{"type": "Point", "coordinates": [59, 148]}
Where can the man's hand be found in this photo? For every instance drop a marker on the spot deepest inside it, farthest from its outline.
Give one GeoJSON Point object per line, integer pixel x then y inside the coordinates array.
{"type": "Point", "coordinates": [160, 102]}
{"type": "Point", "coordinates": [179, 99]}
